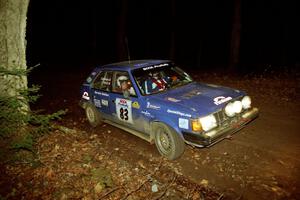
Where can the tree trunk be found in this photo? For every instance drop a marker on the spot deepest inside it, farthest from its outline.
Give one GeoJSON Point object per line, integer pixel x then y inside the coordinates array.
{"type": "Point", "coordinates": [13, 15]}
{"type": "Point", "coordinates": [172, 29]}
{"type": "Point", "coordinates": [235, 37]}
{"type": "Point", "coordinates": [122, 40]}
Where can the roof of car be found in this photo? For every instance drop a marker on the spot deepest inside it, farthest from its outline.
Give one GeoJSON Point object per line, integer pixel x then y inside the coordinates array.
{"type": "Point", "coordinates": [134, 64]}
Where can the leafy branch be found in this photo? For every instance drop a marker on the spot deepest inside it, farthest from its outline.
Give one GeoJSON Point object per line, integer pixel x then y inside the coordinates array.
{"type": "Point", "coordinates": [16, 71]}
{"type": "Point", "coordinates": [17, 122]}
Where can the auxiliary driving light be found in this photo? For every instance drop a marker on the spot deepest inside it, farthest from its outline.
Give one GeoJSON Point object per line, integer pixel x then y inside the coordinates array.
{"type": "Point", "coordinates": [237, 106]}
{"type": "Point", "coordinates": [246, 102]}
{"type": "Point", "coordinates": [229, 110]}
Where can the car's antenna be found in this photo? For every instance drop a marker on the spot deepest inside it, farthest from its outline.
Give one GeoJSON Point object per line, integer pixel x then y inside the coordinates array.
{"type": "Point", "coordinates": [127, 47]}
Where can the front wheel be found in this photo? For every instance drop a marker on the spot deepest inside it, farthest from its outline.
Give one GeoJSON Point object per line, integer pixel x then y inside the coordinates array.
{"type": "Point", "coordinates": [168, 142]}
{"type": "Point", "coordinates": [92, 115]}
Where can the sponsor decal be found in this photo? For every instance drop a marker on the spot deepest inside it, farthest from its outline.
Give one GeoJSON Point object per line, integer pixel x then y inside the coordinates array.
{"type": "Point", "coordinates": [191, 94]}
{"type": "Point", "coordinates": [136, 105]}
{"type": "Point", "coordinates": [173, 99]}
{"type": "Point", "coordinates": [85, 96]}
{"type": "Point", "coordinates": [104, 102]}
{"type": "Point", "coordinates": [155, 66]}
{"type": "Point", "coordinates": [176, 112]}
{"type": "Point", "coordinates": [146, 113]}
{"type": "Point", "coordinates": [141, 64]}
{"type": "Point", "coordinates": [97, 103]}
{"type": "Point", "coordinates": [183, 123]}
{"type": "Point", "coordinates": [193, 109]}
{"type": "Point", "coordinates": [102, 93]}
{"type": "Point", "coordinates": [221, 99]}
{"type": "Point", "coordinates": [122, 101]}
{"type": "Point", "coordinates": [151, 106]}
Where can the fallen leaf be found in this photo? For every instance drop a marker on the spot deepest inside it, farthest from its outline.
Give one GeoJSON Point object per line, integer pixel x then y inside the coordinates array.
{"type": "Point", "coordinates": [50, 174]}
{"type": "Point", "coordinates": [204, 182]}
{"type": "Point", "coordinates": [154, 188]}
{"type": "Point", "coordinates": [98, 188]}
{"type": "Point", "coordinates": [141, 164]}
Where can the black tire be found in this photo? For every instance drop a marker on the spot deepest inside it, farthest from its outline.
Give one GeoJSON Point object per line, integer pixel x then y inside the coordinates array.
{"type": "Point", "coordinates": [168, 142]}
{"type": "Point", "coordinates": [92, 115]}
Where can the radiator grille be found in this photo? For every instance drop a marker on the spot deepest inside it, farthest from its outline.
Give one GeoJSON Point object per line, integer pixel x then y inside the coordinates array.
{"type": "Point", "coordinates": [223, 119]}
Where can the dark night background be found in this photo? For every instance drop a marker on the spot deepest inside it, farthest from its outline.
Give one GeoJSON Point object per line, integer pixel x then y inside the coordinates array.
{"type": "Point", "coordinates": [195, 34]}
{"type": "Point", "coordinates": [68, 38]}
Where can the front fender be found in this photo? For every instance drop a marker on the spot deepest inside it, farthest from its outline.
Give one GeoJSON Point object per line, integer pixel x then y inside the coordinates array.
{"type": "Point", "coordinates": [167, 121]}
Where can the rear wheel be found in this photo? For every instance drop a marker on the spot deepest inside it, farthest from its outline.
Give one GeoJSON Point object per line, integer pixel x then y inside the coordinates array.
{"type": "Point", "coordinates": [168, 142]}
{"type": "Point", "coordinates": [92, 115]}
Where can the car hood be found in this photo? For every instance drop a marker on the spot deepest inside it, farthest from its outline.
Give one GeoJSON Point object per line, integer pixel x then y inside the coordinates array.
{"type": "Point", "coordinates": [197, 98]}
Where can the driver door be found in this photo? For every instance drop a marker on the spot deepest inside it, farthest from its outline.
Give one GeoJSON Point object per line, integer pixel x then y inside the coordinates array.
{"type": "Point", "coordinates": [125, 107]}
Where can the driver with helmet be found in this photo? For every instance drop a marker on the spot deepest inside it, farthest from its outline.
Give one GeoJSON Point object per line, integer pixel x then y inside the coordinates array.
{"type": "Point", "coordinates": [124, 84]}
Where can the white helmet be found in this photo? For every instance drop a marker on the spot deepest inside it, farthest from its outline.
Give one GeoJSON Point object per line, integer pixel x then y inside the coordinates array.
{"type": "Point", "coordinates": [121, 79]}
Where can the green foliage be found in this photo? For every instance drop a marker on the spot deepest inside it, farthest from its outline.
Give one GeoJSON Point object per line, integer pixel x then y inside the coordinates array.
{"type": "Point", "coordinates": [12, 114]}
{"type": "Point", "coordinates": [17, 121]}
{"type": "Point", "coordinates": [42, 122]}
{"type": "Point", "coordinates": [23, 142]}
{"type": "Point", "coordinates": [16, 72]}
{"type": "Point", "coordinates": [2, 198]}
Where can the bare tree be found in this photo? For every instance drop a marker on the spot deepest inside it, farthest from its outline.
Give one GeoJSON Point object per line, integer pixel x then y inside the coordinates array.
{"type": "Point", "coordinates": [235, 36]}
{"type": "Point", "coordinates": [122, 40]}
{"type": "Point", "coordinates": [13, 15]}
{"type": "Point", "coordinates": [172, 37]}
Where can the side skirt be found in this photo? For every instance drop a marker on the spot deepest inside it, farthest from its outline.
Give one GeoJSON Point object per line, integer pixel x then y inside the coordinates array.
{"type": "Point", "coordinates": [134, 132]}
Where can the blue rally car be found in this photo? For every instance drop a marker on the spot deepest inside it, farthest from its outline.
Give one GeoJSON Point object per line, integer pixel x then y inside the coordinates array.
{"type": "Point", "coordinates": [159, 102]}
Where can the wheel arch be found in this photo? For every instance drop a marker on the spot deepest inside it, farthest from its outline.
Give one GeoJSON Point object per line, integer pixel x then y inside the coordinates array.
{"type": "Point", "coordinates": [97, 116]}
{"type": "Point", "coordinates": [83, 104]}
{"type": "Point", "coordinates": [169, 123]}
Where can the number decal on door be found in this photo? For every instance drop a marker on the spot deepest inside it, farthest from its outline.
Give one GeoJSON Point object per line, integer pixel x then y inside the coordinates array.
{"type": "Point", "coordinates": [124, 113]}
{"type": "Point", "coordinates": [123, 109]}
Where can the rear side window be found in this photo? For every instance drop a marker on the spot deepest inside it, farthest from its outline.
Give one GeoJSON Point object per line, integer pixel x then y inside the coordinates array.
{"type": "Point", "coordinates": [103, 81]}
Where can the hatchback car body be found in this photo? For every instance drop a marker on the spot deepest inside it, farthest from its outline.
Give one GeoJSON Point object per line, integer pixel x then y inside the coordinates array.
{"type": "Point", "coordinates": [159, 102]}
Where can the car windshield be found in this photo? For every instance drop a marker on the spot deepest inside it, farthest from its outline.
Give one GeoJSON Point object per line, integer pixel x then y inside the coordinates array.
{"type": "Point", "coordinates": [159, 78]}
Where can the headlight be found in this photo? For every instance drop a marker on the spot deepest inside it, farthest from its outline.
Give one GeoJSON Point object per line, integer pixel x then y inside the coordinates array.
{"type": "Point", "coordinates": [229, 110]}
{"type": "Point", "coordinates": [246, 102]}
{"type": "Point", "coordinates": [233, 108]}
{"type": "Point", "coordinates": [208, 122]}
{"type": "Point", "coordinates": [237, 106]}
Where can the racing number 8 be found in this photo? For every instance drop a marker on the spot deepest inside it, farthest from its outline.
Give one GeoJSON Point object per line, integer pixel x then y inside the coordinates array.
{"type": "Point", "coordinates": [124, 113]}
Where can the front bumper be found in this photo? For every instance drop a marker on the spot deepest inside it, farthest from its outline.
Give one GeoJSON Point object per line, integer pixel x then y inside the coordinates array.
{"type": "Point", "coordinates": [210, 138]}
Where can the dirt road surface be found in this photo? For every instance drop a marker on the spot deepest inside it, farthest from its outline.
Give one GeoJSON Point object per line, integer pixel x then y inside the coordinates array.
{"type": "Point", "coordinates": [259, 162]}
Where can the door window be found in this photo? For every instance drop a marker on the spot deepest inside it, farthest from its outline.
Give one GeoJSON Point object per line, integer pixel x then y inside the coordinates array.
{"type": "Point", "coordinates": [103, 81]}
{"type": "Point", "coordinates": [122, 83]}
